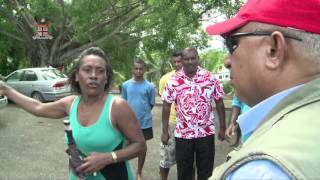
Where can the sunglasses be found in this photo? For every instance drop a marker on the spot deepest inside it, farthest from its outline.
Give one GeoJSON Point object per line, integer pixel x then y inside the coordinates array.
{"type": "Point", "coordinates": [233, 40]}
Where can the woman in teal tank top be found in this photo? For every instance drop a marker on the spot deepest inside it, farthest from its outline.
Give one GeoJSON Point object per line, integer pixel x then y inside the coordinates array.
{"type": "Point", "coordinates": [100, 122]}
{"type": "Point", "coordinates": [99, 137]}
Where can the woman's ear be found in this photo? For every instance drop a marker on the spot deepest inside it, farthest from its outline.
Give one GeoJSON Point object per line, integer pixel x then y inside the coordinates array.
{"type": "Point", "coordinates": [276, 52]}
{"type": "Point", "coordinates": [76, 79]}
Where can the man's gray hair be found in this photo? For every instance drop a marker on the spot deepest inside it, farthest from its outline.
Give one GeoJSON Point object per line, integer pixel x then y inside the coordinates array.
{"type": "Point", "coordinates": [309, 47]}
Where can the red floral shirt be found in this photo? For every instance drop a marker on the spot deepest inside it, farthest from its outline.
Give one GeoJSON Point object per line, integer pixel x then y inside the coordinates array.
{"type": "Point", "coordinates": [193, 99]}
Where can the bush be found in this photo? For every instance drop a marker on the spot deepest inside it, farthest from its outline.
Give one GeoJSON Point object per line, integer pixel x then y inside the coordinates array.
{"type": "Point", "coordinates": [227, 87]}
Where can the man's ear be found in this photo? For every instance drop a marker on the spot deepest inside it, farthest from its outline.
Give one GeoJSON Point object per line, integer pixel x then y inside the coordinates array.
{"type": "Point", "coordinates": [276, 51]}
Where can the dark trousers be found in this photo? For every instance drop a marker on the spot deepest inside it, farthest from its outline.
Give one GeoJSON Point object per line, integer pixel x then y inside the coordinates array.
{"type": "Point", "coordinates": [200, 149]}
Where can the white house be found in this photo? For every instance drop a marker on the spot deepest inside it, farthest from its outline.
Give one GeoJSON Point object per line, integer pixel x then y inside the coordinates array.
{"type": "Point", "coordinates": [222, 74]}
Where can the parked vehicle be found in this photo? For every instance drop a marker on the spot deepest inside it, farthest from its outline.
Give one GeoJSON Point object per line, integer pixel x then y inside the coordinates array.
{"type": "Point", "coordinates": [3, 99]}
{"type": "Point", "coordinates": [43, 84]}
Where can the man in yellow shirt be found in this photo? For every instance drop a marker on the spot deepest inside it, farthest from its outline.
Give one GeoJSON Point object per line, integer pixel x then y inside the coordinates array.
{"type": "Point", "coordinates": [167, 152]}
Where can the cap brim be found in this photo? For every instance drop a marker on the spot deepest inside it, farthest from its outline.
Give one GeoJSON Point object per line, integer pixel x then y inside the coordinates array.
{"type": "Point", "coordinates": [225, 27]}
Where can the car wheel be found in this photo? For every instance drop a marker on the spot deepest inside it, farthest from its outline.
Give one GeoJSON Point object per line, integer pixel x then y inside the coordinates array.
{"type": "Point", "coordinates": [37, 96]}
{"type": "Point", "coordinates": [3, 101]}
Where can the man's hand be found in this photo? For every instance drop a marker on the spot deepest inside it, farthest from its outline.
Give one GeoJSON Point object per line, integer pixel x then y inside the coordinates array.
{"type": "Point", "coordinates": [165, 138]}
{"type": "Point", "coordinates": [221, 134]}
{"type": "Point", "coordinates": [231, 131]}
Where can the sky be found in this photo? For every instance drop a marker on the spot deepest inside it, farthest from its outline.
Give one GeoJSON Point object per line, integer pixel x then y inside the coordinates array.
{"type": "Point", "coordinates": [212, 17]}
{"type": "Point", "coordinates": [216, 42]}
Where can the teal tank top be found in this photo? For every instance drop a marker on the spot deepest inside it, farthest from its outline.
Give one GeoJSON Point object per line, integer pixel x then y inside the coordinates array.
{"type": "Point", "coordinates": [98, 137]}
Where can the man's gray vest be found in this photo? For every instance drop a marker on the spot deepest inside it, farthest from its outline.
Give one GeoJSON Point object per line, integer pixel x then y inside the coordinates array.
{"type": "Point", "coordinates": [289, 136]}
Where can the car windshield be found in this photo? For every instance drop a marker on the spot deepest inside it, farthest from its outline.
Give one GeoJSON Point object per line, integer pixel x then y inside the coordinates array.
{"type": "Point", "coordinates": [49, 74]}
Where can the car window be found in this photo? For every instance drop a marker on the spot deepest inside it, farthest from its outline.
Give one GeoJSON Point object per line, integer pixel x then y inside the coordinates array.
{"type": "Point", "coordinates": [14, 77]}
{"type": "Point", "coordinates": [29, 76]}
{"type": "Point", "coordinates": [49, 74]}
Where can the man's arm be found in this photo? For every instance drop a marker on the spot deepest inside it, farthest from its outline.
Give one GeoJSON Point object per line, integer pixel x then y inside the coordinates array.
{"type": "Point", "coordinates": [123, 92]}
{"type": "Point", "coordinates": [165, 122]}
{"type": "Point", "coordinates": [152, 97]}
{"type": "Point", "coordinates": [221, 113]}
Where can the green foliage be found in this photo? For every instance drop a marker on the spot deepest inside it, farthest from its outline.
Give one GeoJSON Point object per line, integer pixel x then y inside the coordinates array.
{"type": "Point", "coordinates": [230, 8]}
{"type": "Point", "coordinates": [125, 29]}
{"type": "Point", "coordinates": [12, 55]}
{"type": "Point", "coordinates": [212, 59]}
{"type": "Point", "coordinates": [118, 78]}
{"type": "Point", "coordinates": [227, 88]}
{"type": "Point", "coordinates": [46, 9]}
{"type": "Point", "coordinates": [121, 57]}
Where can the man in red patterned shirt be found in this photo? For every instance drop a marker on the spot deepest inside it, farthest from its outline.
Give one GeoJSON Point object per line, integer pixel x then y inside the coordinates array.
{"type": "Point", "coordinates": [193, 89]}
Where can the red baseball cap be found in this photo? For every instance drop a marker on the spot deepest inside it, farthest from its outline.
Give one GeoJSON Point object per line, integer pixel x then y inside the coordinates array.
{"type": "Point", "coordinates": [297, 14]}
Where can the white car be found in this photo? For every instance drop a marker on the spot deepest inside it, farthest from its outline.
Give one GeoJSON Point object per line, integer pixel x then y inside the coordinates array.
{"type": "Point", "coordinates": [3, 100]}
{"type": "Point", "coordinates": [43, 84]}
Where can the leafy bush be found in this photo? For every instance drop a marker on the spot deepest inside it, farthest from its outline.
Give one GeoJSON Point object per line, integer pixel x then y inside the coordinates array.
{"type": "Point", "coordinates": [227, 87]}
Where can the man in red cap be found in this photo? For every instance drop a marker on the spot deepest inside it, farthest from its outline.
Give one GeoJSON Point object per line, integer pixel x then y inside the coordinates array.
{"type": "Point", "coordinates": [274, 48]}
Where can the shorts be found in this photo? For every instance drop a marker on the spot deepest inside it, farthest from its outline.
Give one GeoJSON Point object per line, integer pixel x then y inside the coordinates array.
{"type": "Point", "coordinates": [147, 133]}
{"type": "Point", "coordinates": [168, 152]}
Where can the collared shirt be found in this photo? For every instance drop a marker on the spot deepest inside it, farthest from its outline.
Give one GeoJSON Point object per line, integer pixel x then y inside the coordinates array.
{"type": "Point", "coordinates": [193, 98]}
{"type": "Point", "coordinates": [248, 122]}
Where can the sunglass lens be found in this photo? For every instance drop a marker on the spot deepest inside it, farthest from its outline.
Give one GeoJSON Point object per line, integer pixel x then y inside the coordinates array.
{"type": "Point", "coordinates": [231, 43]}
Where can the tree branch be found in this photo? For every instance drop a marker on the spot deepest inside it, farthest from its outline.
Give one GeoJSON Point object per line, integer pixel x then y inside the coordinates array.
{"type": "Point", "coordinates": [61, 33]}
{"type": "Point", "coordinates": [11, 35]}
{"type": "Point", "coordinates": [76, 51]}
{"type": "Point", "coordinates": [104, 23]}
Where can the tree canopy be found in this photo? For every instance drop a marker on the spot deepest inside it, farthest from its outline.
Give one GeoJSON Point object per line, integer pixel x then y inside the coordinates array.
{"type": "Point", "coordinates": [125, 29]}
